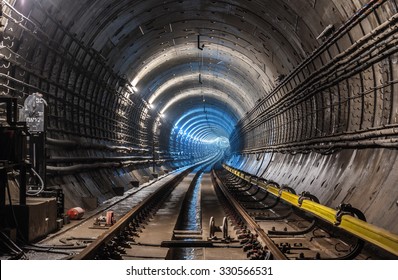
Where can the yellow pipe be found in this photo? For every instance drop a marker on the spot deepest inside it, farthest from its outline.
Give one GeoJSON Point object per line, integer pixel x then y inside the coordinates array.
{"type": "Point", "coordinates": [368, 232]}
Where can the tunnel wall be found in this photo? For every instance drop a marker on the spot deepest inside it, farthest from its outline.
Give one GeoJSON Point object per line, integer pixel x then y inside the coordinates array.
{"type": "Point", "coordinates": [330, 127]}
{"type": "Point", "coordinates": [99, 133]}
{"type": "Point", "coordinates": [364, 178]}
{"type": "Point", "coordinates": [339, 99]}
{"type": "Point", "coordinates": [340, 96]}
{"type": "Point", "coordinates": [88, 189]}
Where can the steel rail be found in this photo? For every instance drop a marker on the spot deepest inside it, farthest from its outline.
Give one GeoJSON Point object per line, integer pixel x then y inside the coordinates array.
{"type": "Point", "coordinates": [361, 229]}
{"type": "Point", "coordinates": [251, 223]}
{"type": "Point", "coordinates": [91, 251]}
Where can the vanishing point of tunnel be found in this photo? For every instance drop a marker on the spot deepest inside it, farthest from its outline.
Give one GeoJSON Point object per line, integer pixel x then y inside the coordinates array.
{"type": "Point", "coordinates": [100, 96]}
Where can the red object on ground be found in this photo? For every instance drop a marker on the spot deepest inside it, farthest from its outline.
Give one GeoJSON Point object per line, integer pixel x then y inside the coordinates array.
{"type": "Point", "coordinates": [75, 213]}
{"type": "Point", "coordinates": [109, 218]}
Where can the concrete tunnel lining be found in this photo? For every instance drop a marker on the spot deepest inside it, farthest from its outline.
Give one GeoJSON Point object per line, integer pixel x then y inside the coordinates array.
{"type": "Point", "coordinates": [319, 115]}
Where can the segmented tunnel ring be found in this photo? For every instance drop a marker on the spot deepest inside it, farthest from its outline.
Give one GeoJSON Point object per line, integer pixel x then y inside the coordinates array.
{"type": "Point", "coordinates": [298, 92]}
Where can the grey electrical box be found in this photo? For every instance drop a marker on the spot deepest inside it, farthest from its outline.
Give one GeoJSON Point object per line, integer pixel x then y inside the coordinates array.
{"type": "Point", "coordinates": [34, 107]}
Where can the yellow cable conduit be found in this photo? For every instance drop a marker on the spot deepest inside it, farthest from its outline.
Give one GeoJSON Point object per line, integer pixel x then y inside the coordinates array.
{"type": "Point", "coordinates": [368, 232]}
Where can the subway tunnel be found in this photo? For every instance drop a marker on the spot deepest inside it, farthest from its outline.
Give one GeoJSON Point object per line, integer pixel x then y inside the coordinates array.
{"type": "Point", "coordinates": [303, 93]}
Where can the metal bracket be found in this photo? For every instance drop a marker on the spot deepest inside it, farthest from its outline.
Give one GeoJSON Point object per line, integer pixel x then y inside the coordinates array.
{"type": "Point", "coordinates": [272, 183]}
{"type": "Point", "coordinates": [285, 188]}
{"type": "Point", "coordinates": [199, 46]}
{"type": "Point", "coordinates": [347, 209]}
{"type": "Point", "coordinates": [213, 229]}
{"type": "Point", "coordinates": [307, 195]}
{"type": "Point", "coordinates": [225, 228]}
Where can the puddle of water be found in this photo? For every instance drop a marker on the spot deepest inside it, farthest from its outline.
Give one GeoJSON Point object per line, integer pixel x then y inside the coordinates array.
{"type": "Point", "coordinates": [185, 254]}
{"type": "Point", "coordinates": [190, 220]}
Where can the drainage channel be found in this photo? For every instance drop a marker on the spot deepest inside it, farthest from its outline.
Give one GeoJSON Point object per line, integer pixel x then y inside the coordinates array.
{"type": "Point", "coordinates": [187, 231]}
{"type": "Point", "coordinates": [201, 231]}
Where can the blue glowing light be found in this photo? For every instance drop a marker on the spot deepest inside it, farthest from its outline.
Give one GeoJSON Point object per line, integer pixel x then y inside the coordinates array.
{"type": "Point", "coordinates": [200, 132]}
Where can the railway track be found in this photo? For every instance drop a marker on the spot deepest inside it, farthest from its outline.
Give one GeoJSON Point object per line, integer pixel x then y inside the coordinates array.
{"type": "Point", "coordinates": [221, 215]}
{"type": "Point", "coordinates": [283, 232]}
{"type": "Point", "coordinates": [171, 223]}
{"type": "Point", "coordinates": [302, 228]}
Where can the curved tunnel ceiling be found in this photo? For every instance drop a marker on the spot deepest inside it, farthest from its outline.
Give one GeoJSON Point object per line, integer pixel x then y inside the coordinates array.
{"type": "Point", "coordinates": [175, 54]}
{"type": "Point", "coordinates": [173, 57]}
{"type": "Point", "coordinates": [139, 83]}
